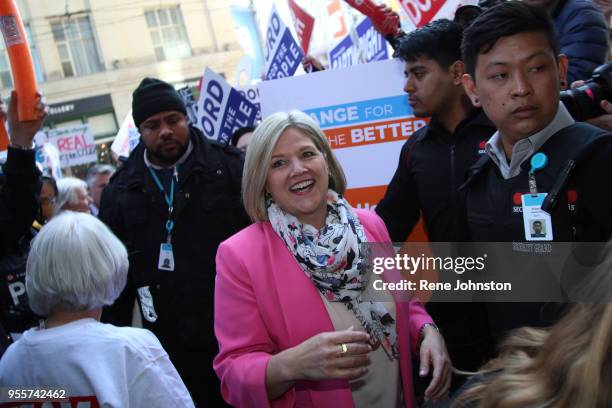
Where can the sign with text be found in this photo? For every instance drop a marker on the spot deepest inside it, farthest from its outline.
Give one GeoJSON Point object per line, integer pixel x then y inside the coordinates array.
{"type": "Point", "coordinates": [344, 54]}
{"type": "Point", "coordinates": [222, 109]}
{"type": "Point", "coordinates": [421, 12]}
{"type": "Point", "coordinates": [366, 122]}
{"type": "Point", "coordinates": [75, 145]}
{"type": "Point", "coordinates": [303, 24]}
{"type": "Point", "coordinates": [283, 54]}
{"type": "Point", "coordinates": [251, 92]}
{"type": "Point", "coordinates": [372, 44]}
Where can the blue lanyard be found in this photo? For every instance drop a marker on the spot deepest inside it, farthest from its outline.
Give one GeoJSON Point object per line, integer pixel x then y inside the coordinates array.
{"type": "Point", "coordinates": [169, 199]}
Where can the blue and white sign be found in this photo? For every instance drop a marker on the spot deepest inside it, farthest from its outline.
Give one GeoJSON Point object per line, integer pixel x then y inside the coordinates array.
{"type": "Point", "coordinates": [251, 92]}
{"type": "Point", "coordinates": [373, 45]}
{"type": "Point", "coordinates": [283, 53]}
{"type": "Point", "coordinates": [222, 109]}
{"type": "Point", "coordinates": [48, 160]}
{"type": "Point", "coordinates": [345, 54]}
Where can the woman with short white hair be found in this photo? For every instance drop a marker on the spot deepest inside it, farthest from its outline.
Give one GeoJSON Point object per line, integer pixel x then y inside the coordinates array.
{"type": "Point", "coordinates": [72, 194]}
{"type": "Point", "coordinates": [75, 267]}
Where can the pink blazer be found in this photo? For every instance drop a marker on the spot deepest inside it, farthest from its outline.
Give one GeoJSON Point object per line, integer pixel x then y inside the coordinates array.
{"type": "Point", "coordinates": [265, 303]}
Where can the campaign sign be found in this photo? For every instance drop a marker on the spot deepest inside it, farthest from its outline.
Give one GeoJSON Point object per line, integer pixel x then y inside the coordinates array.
{"type": "Point", "coordinates": [365, 122]}
{"type": "Point", "coordinates": [303, 23]}
{"type": "Point", "coordinates": [283, 54]}
{"type": "Point", "coordinates": [421, 12]}
{"type": "Point", "coordinates": [48, 160]}
{"type": "Point", "coordinates": [222, 109]}
{"type": "Point", "coordinates": [344, 54]}
{"type": "Point", "coordinates": [373, 45]}
{"type": "Point", "coordinates": [75, 145]}
{"type": "Point", "coordinates": [251, 92]}
{"type": "Point", "coordinates": [127, 138]}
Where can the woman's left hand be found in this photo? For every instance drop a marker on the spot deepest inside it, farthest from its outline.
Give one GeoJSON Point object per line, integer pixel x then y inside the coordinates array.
{"type": "Point", "coordinates": [433, 353]}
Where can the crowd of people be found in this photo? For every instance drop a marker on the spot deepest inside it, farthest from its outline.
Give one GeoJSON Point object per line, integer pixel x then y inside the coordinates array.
{"type": "Point", "coordinates": [244, 267]}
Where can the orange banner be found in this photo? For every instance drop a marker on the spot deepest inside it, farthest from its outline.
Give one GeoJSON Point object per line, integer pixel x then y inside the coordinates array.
{"type": "Point", "coordinates": [368, 197]}
{"type": "Point", "coordinates": [374, 132]}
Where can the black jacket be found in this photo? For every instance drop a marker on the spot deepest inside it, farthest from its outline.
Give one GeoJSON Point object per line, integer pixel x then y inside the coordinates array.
{"type": "Point", "coordinates": [583, 36]}
{"type": "Point", "coordinates": [432, 165]}
{"type": "Point", "coordinates": [18, 197]}
{"type": "Point", "coordinates": [18, 209]}
{"type": "Point", "coordinates": [583, 211]}
{"type": "Point", "coordinates": [207, 211]}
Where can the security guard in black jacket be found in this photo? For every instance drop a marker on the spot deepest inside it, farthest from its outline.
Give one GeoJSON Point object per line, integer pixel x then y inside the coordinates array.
{"type": "Point", "coordinates": [540, 167]}
{"type": "Point", "coordinates": [174, 200]}
{"type": "Point", "coordinates": [580, 206]}
{"type": "Point", "coordinates": [433, 164]}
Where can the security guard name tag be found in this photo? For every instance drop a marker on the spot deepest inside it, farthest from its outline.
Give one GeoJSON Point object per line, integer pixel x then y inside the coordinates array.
{"type": "Point", "coordinates": [537, 222]}
{"type": "Point", "coordinates": [166, 257]}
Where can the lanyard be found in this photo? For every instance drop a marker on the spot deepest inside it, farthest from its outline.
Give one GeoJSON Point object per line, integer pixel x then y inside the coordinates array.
{"type": "Point", "coordinates": [169, 200]}
{"type": "Point", "coordinates": [538, 162]}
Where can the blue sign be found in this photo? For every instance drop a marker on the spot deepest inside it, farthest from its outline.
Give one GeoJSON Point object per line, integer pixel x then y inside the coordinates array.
{"type": "Point", "coordinates": [286, 59]}
{"type": "Point", "coordinates": [344, 54]}
{"type": "Point", "coordinates": [239, 113]}
{"type": "Point", "coordinates": [372, 43]}
{"type": "Point", "coordinates": [283, 54]}
{"type": "Point", "coordinates": [222, 109]}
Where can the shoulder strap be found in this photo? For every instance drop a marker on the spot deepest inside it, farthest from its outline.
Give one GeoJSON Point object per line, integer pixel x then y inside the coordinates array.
{"type": "Point", "coordinates": [476, 169]}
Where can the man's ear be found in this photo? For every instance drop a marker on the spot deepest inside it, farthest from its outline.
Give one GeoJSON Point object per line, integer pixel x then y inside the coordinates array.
{"type": "Point", "coordinates": [562, 64]}
{"type": "Point", "coordinates": [470, 89]}
{"type": "Point", "coordinates": [457, 70]}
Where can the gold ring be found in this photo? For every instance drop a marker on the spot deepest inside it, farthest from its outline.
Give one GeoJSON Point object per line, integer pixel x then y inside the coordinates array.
{"type": "Point", "coordinates": [344, 348]}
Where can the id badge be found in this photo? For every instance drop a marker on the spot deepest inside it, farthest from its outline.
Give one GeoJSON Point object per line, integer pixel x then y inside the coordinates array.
{"type": "Point", "coordinates": [166, 257]}
{"type": "Point", "coordinates": [536, 222]}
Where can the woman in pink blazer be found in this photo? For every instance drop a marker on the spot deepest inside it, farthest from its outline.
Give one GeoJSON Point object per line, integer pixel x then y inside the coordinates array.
{"type": "Point", "coordinates": [291, 315]}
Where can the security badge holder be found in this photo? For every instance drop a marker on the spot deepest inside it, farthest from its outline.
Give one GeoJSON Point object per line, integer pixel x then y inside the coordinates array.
{"type": "Point", "coordinates": [166, 256]}
{"type": "Point", "coordinates": [536, 222]}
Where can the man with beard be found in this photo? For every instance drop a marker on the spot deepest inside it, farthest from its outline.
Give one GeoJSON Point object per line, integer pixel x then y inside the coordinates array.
{"type": "Point", "coordinates": [433, 163]}
{"type": "Point", "coordinates": [176, 198]}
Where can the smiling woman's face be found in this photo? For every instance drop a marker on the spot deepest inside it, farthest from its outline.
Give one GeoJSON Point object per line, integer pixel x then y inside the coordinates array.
{"type": "Point", "coordinates": [298, 178]}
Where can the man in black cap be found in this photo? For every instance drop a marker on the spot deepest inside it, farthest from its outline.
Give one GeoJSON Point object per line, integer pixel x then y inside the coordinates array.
{"type": "Point", "coordinates": [176, 198]}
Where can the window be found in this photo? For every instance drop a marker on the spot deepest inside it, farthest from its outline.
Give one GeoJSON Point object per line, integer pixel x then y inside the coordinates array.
{"type": "Point", "coordinates": [168, 33]}
{"type": "Point", "coordinates": [6, 80]}
{"type": "Point", "coordinates": [76, 46]}
{"type": "Point", "coordinates": [103, 125]}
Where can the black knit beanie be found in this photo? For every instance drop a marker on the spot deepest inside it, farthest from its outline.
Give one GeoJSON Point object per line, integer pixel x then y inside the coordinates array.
{"type": "Point", "coordinates": [153, 96]}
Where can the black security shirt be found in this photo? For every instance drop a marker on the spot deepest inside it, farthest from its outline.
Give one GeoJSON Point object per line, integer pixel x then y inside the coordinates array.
{"type": "Point", "coordinates": [433, 164]}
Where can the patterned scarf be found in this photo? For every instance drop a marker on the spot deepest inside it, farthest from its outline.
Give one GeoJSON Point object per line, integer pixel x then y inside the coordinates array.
{"type": "Point", "coordinates": [334, 260]}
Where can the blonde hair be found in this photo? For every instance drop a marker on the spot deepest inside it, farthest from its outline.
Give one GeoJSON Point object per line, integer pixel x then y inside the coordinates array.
{"type": "Point", "coordinates": [568, 365]}
{"type": "Point", "coordinates": [259, 156]}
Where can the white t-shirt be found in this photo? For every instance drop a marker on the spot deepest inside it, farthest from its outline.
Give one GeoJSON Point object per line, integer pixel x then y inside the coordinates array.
{"type": "Point", "coordinates": [119, 366]}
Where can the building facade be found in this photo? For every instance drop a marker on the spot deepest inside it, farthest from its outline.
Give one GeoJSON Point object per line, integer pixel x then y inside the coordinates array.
{"type": "Point", "coordinates": [90, 55]}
